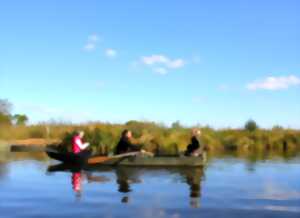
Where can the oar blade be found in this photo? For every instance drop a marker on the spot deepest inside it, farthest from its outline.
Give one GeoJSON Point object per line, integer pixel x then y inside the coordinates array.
{"type": "Point", "coordinates": [96, 160]}
{"type": "Point", "coordinates": [102, 159]}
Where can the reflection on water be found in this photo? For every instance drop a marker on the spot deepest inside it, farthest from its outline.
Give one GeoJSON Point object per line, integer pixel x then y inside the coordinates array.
{"type": "Point", "coordinates": [3, 170]}
{"type": "Point", "coordinates": [125, 177]}
{"type": "Point", "coordinates": [193, 179]}
{"type": "Point", "coordinates": [78, 177]}
{"type": "Point", "coordinates": [227, 187]}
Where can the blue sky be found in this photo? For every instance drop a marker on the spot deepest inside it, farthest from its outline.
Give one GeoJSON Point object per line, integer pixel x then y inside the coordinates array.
{"type": "Point", "coordinates": [199, 62]}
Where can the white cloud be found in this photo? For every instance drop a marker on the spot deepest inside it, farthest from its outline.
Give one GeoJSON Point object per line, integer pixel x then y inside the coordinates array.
{"type": "Point", "coordinates": [111, 53]}
{"type": "Point", "coordinates": [91, 43]}
{"type": "Point", "coordinates": [161, 64]}
{"type": "Point", "coordinates": [89, 47]}
{"type": "Point", "coordinates": [154, 59]}
{"type": "Point", "coordinates": [93, 38]}
{"type": "Point", "coordinates": [274, 83]}
{"type": "Point", "coordinates": [178, 63]}
{"type": "Point", "coordinates": [160, 70]}
{"type": "Point", "coordinates": [163, 60]}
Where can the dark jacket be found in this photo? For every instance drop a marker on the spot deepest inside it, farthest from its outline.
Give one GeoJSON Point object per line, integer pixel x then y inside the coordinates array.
{"type": "Point", "coordinates": [195, 144]}
{"type": "Point", "coordinates": [125, 146]}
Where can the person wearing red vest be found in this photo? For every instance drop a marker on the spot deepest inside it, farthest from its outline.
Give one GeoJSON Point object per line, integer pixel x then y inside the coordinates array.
{"type": "Point", "coordinates": [77, 143]}
{"type": "Point", "coordinates": [79, 147]}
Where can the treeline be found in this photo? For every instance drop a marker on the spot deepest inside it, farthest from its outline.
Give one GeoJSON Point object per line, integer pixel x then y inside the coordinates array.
{"type": "Point", "coordinates": [8, 119]}
{"type": "Point", "coordinates": [168, 139]}
{"type": "Point", "coordinates": [154, 136]}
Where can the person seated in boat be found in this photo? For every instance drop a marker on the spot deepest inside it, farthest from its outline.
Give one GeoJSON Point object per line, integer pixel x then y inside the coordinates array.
{"type": "Point", "coordinates": [78, 146]}
{"type": "Point", "coordinates": [125, 144]}
{"type": "Point", "coordinates": [193, 149]}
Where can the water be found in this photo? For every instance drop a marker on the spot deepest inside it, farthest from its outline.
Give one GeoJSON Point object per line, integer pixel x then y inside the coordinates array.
{"type": "Point", "coordinates": [226, 187]}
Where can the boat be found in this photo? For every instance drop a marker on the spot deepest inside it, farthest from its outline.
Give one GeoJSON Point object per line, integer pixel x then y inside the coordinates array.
{"type": "Point", "coordinates": [137, 159]}
{"type": "Point", "coordinates": [68, 157]}
{"type": "Point", "coordinates": [157, 161]}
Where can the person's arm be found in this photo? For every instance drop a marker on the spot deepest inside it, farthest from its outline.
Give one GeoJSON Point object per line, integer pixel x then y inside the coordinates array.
{"type": "Point", "coordinates": [133, 147]}
{"type": "Point", "coordinates": [81, 145]}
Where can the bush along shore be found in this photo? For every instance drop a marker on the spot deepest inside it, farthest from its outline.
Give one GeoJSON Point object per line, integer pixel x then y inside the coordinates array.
{"type": "Point", "coordinates": [152, 136]}
{"type": "Point", "coordinates": [162, 139]}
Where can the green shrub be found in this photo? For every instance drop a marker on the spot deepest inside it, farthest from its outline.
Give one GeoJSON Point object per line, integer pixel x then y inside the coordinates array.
{"type": "Point", "coordinates": [153, 136]}
{"type": "Point", "coordinates": [251, 126]}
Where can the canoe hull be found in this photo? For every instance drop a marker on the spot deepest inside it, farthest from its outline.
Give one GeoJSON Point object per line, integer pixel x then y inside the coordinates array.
{"type": "Point", "coordinates": [68, 158]}
{"type": "Point", "coordinates": [137, 161]}
{"type": "Point", "coordinates": [157, 161]}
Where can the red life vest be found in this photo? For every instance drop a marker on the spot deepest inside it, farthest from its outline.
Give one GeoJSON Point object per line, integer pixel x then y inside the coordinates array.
{"type": "Point", "coordinates": [75, 147]}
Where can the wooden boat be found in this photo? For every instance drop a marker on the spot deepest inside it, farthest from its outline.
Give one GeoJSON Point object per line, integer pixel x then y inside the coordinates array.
{"type": "Point", "coordinates": [167, 161]}
{"type": "Point", "coordinates": [68, 158]}
{"type": "Point", "coordinates": [130, 159]}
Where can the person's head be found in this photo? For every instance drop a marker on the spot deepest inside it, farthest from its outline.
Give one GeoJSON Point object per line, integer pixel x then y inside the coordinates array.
{"type": "Point", "coordinates": [80, 134]}
{"type": "Point", "coordinates": [126, 134]}
{"type": "Point", "coordinates": [196, 132]}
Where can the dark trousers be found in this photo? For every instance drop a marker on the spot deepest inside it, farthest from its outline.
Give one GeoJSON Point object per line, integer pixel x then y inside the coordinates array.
{"type": "Point", "coordinates": [84, 154]}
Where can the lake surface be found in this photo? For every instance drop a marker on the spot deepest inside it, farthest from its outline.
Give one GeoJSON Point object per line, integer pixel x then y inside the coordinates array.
{"type": "Point", "coordinates": [226, 187]}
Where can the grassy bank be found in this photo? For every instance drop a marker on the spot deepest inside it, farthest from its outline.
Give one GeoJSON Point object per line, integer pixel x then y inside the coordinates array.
{"type": "Point", "coordinates": [4, 146]}
{"type": "Point", "coordinates": [167, 139]}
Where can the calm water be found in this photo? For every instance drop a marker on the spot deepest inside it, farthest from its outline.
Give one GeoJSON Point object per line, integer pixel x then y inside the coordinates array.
{"type": "Point", "coordinates": [226, 187]}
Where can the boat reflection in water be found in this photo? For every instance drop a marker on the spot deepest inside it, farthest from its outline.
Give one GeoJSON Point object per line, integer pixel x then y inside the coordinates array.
{"type": "Point", "coordinates": [126, 176]}
{"type": "Point", "coordinates": [193, 178]}
{"type": "Point", "coordinates": [78, 176]}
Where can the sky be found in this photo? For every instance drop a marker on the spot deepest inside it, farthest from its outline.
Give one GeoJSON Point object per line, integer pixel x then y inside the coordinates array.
{"type": "Point", "coordinates": [216, 63]}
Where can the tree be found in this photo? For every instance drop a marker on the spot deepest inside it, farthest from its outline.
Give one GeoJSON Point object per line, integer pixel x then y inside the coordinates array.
{"type": "Point", "coordinates": [4, 119]}
{"type": "Point", "coordinates": [176, 125]}
{"type": "Point", "coordinates": [277, 127]}
{"type": "Point", "coordinates": [20, 119]}
{"type": "Point", "coordinates": [5, 108]}
{"type": "Point", "coordinates": [251, 125]}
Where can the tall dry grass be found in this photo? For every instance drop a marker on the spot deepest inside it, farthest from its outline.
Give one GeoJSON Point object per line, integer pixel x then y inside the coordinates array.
{"type": "Point", "coordinates": [167, 139]}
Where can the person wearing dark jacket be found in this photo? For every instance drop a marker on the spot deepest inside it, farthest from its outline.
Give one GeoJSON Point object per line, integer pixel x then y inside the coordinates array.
{"type": "Point", "coordinates": [125, 145]}
{"type": "Point", "coordinates": [193, 149]}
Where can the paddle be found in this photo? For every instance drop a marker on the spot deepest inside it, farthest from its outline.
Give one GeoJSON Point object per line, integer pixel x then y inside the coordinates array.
{"type": "Point", "coordinates": [101, 159]}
